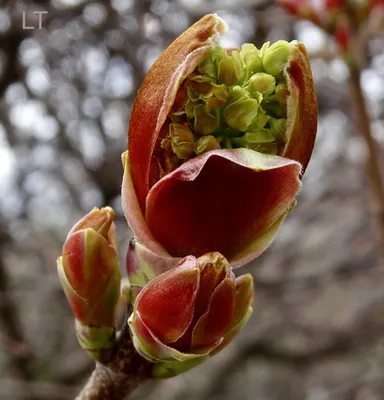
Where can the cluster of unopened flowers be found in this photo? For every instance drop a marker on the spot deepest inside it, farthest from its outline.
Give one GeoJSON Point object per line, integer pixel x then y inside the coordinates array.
{"type": "Point", "coordinates": [342, 19]}
{"type": "Point", "coordinates": [218, 142]}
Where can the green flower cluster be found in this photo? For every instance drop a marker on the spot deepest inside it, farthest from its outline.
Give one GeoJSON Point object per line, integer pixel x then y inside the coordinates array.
{"type": "Point", "coordinates": [234, 99]}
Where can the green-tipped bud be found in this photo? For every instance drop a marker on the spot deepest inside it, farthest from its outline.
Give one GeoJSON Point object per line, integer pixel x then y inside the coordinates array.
{"type": "Point", "coordinates": [240, 113]}
{"type": "Point", "coordinates": [90, 275]}
{"type": "Point", "coordinates": [207, 143]}
{"type": "Point", "coordinates": [262, 83]}
{"type": "Point", "coordinates": [250, 56]}
{"type": "Point", "coordinates": [229, 68]}
{"type": "Point", "coordinates": [182, 140]}
{"type": "Point", "coordinates": [275, 57]}
{"type": "Point", "coordinates": [206, 121]}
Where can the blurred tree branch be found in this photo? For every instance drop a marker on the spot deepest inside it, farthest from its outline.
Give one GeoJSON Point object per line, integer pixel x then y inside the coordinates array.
{"type": "Point", "coordinates": [364, 127]}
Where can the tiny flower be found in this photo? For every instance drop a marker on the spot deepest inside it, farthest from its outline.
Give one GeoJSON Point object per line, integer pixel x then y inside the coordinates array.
{"type": "Point", "coordinates": [206, 121]}
{"type": "Point", "coordinates": [251, 58]}
{"type": "Point", "coordinates": [276, 57]}
{"type": "Point", "coordinates": [240, 112]}
{"type": "Point", "coordinates": [90, 275]}
{"type": "Point", "coordinates": [261, 82]}
{"type": "Point", "coordinates": [191, 310]}
{"type": "Point", "coordinates": [182, 140]}
{"type": "Point", "coordinates": [207, 143]}
{"type": "Point", "coordinates": [229, 68]}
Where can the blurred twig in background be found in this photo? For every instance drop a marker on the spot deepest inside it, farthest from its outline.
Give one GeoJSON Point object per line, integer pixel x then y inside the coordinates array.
{"type": "Point", "coordinates": [373, 161]}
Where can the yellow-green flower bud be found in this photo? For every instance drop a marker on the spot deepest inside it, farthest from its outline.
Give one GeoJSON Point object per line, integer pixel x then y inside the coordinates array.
{"type": "Point", "coordinates": [240, 113]}
{"type": "Point", "coordinates": [220, 91]}
{"type": "Point", "coordinates": [206, 121]}
{"type": "Point", "coordinates": [219, 95]}
{"type": "Point", "coordinates": [183, 143]}
{"type": "Point", "coordinates": [250, 55]}
{"type": "Point", "coordinates": [229, 68]}
{"type": "Point", "coordinates": [275, 57]}
{"type": "Point", "coordinates": [261, 82]}
{"type": "Point", "coordinates": [206, 143]}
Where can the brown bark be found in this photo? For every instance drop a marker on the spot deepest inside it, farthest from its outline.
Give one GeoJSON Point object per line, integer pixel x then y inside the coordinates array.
{"type": "Point", "coordinates": [118, 377]}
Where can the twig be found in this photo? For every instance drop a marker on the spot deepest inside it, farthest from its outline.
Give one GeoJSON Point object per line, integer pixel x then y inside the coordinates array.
{"type": "Point", "coordinates": [120, 375]}
{"type": "Point", "coordinates": [364, 127]}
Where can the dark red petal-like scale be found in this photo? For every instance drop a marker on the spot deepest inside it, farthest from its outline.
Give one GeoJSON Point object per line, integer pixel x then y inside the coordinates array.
{"type": "Point", "coordinates": [215, 322]}
{"type": "Point", "coordinates": [216, 202]}
{"type": "Point", "coordinates": [166, 303]}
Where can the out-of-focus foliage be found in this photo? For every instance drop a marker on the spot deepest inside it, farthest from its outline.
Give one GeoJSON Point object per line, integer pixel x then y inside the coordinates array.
{"type": "Point", "coordinates": [65, 96]}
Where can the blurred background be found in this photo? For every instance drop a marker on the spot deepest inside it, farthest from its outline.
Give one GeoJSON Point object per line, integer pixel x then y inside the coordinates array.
{"type": "Point", "coordinates": [66, 92]}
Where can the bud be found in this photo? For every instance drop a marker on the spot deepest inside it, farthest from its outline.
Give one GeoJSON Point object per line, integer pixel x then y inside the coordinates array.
{"type": "Point", "coordinates": [261, 82]}
{"type": "Point", "coordinates": [334, 5]}
{"type": "Point", "coordinates": [231, 200]}
{"type": "Point", "coordinates": [343, 34]}
{"type": "Point", "coordinates": [186, 313]}
{"type": "Point", "coordinates": [182, 139]}
{"type": "Point", "coordinates": [206, 121]}
{"type": "Point", "coordinates": [90, 275]}
{"type": "Point", "coordinates": [229, 69]}
{"type": "Point", "coordinates": [207, 143]}
{"type": "Point", "coordinates": [276, 57]}
{"type": "Point", "coordinates": [240, 113]}
{"type": "Point", "coordinates": [303, 9]}
{"type": "Point", "coordinates": [250, 56]}
{"type": "Point", "coordinates": [218, 96]}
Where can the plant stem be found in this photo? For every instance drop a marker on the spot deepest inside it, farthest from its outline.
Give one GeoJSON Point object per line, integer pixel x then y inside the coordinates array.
{"type": "Point", "coordinates": [118, 377]}
{"type": "Point", "coordinates": [364, 126]}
